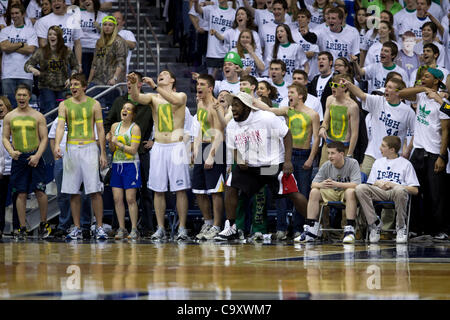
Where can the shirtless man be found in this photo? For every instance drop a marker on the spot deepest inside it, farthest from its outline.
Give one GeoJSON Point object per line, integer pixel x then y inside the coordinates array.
{"type": "Point", "coordinates": [168, 162]}
{"type": "Point", "coordinates": [81, 160]}
{"type": "Point", "coordinates": [29, 140]}
{"type": "Point", "coordinates": [341, 118]}
{"type": "Point", "coordinates": [209, 158]}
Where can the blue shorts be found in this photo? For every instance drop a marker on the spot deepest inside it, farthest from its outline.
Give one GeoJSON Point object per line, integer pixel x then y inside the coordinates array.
{"type": "Point", "coordinates": [25, 178]}
{"type": "Point", "coordinates": [125, 175]}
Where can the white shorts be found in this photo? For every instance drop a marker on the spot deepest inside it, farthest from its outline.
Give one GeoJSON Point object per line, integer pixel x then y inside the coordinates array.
{"type": "Point", "coordinates": [81, 165]}
{"type": "Point", "coordinates": [169, 163]}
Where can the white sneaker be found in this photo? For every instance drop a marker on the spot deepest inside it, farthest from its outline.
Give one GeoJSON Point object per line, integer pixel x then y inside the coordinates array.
{"type": "Point", "coordinates": [205, 228]}
{"type": "Point", "coordinates": [257, 236]}
{"type": "Point", "coordinates": [375, 231]}
{"type": "Point", "coordinates": [100, 234]}
{"type": "Point", "coordinates": [309, 234]}
{"type": "Point", "coordinates": [212, 232]}
{"type": "Point", "coordinates": [228, 233]}
{"type": "Point", "coordinates": [402, 235]}
{"type": "Point", "coordinates": [349, 234]}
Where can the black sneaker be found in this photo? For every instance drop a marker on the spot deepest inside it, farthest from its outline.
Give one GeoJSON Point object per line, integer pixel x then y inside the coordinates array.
{"type": "Point", "coordinates": [44, 230]}
{"type": "Point", "coordinates": [21, 234]}
{"type": "Point", "coordinates": [59, 233]}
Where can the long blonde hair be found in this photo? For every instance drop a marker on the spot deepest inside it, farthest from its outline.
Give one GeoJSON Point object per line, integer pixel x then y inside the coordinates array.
{"type": "Point", "coordinates": [107, 40]}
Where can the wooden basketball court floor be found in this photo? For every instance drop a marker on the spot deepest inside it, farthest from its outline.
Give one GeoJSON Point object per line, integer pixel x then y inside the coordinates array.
{"type": "Point", "coordinates": [91, 270]}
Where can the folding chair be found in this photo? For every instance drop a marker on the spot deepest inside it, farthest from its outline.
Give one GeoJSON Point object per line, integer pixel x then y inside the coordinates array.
{"type": "Point", "coordinates": [391, 205]}
{"type": "Point", "coordinates": [338, 205]}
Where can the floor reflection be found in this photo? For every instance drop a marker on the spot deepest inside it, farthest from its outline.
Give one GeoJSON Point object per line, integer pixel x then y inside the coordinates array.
{"type": "Point", "coordinates": [183, 271]}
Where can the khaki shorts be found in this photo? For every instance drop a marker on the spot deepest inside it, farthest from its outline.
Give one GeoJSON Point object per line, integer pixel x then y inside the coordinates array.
{"type": "Point", "coordinates": [332, 195]}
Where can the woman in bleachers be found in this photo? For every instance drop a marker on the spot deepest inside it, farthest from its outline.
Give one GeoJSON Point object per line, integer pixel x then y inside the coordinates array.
{"type": "Point", "coordinates": [5, 164]}
{"type": "Point", "coordinates": [125, 171]}
{"type": "Point", "coordinates": [385, 33]}
{"type": "Point", "coordinates": [110, 56]}
{"type": "Point", "coordinates": [91, 24]}
{"type": "Point", "coordinates": [250, 53]}
{"type": "Point", "coordinates": [287, 50]}
{"type": "Point", "coordinates": [361, 24]}
{"type": "Point", "coordinates": [54, 61]}
{"type": "Point", "coordinates": [265, 89]}
{"type": "Point", "coordinates": [243, 21]}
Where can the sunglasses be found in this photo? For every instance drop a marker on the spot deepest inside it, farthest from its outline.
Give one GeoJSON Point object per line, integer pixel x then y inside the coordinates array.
{"type": "Point", "coordinates": [336, 85]}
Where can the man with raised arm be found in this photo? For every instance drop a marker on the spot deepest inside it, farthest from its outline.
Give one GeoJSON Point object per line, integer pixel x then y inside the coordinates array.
{"type": "Point", "coordinates": [81, 159]}
{"type": "Point", "coordinates": [169, 163]}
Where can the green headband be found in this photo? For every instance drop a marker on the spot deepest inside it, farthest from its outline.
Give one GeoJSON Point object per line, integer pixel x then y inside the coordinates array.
{"type": "Point", "coordinates": [109, 19]}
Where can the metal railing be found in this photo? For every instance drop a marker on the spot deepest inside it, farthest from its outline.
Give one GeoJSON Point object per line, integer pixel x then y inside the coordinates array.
{"type": "Point", "coordinates": [137, 16]}
{"type": "Point", "coordinates": [101, 94]}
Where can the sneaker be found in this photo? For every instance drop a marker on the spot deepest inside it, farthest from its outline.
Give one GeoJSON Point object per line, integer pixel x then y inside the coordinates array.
{"type": "Point", "coordinates": [59, 233]}
{"type": "Point", "coordinates": [100, 234]}
{"type": "Point", "coordinates": [44, 230]}
{"type": "Point", "coordinates": [308, 234]}
{"type": "Point", "coordinates": [134, 234]}
{"type": "Point", "coordinates": [21, 234]}
{"type": "Point", "coordinates": [121, 234]}
{"type": "Point", "coordinates": [402, 235]}
{"type": "Point", "coordinates": [281, 235]}
{"type": "Point", "coordinates": [182, 235]}
{"type": "Point", "coordinates": [297, 234]}
{"type": "Point", "coordinates": [228, 233]}
{"type": "Point", "coordinates": [160, 234]}
{"type": "Point", "coordinates": [441, 236]}
{"type": "Point", "coordinates": [212, 233]}
{"type": "Point", "coordinates": [75, 234]}
{"type": "Point", "coordinates": [257, 236]}
{"type": "Point", "coordinates": [375, 232]}
{"type": "Point", "coordinates": [205, 228]}
{"type": "Point", "coordinates": [349, 234]}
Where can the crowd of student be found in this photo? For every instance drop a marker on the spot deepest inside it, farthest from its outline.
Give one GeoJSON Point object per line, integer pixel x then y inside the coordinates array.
{"type": "Point", "coordinates": [296, 102]}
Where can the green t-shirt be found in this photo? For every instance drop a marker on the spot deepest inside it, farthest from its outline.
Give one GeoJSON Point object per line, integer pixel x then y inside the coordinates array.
{"type": "Point", "coordinates": [396, 7]}
{"type": "Point", "coordinates": [24, 133]}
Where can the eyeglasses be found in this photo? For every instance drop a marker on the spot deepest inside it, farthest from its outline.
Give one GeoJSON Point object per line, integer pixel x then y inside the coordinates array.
{"type": "Point", "coordinates": [336, 85]}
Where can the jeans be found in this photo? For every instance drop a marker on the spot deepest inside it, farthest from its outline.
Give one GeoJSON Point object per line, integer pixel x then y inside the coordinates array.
{"type": "Point", "coordinates": [86, 62]}
{"type": "Point", "coordinates": [303, 178]}
{"type": "Point", "coordinates": [65, 216]}
{"type": "Point", "coordinates": [9, 88]}
{"type": "Point", "coordinates": [48, 101]}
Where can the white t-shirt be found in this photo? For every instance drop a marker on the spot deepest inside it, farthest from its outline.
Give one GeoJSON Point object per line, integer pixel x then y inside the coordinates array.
{"type": "Point", "coordinates": [3, 6]}
{"type": "Point", "coordinates": [248, 61]}
{"type": "Point", "coordinates": [321, 84]}
{"type": "Point", "coordinates": [398, 170]}
{"type": "Point", "coordinates": [307, 46]}
{"type": "Point", "coordinates": [90, 33]}
{"type": "Point", "coordinates": [339, 44]}
{"type": "Point", "coordinates": [264, 16]}
{"type": "Point", "coordinates": [414, 24]}
{"type": "Point", "coordinates": [427, 127]}
{"type": "Point", "coordinates": [127, 36]}
{"type": "Point", "coordinates": [12, 63]}
{"type": "Point", "coordinates": [282, 90]}
{"type": "Point", "coordinates": [267, 35]}
{"type": "Point", "coordinates": [231, 37]}
{"type": "Point", "coordinates": [401, 17]}
{"type": "Point", "coordinates": [317, 17]}
{"type": "Point", "coordinates": [292, 55]}
{"type": "Point", "coordinates": [369, 40]}
{"type": "Point", "coordinates": [202, 23]}
{"type": "Point", "coordinates": [232, 87]}
{"type": "Point", "coordinates": [258, 138]}
{"type": "Point", "coordinates": [377, 73]}
{"type": "Point", "coordinates": [436, 11]}
{"type": "Point", "coordinates": [71, 28]}
{"type": "Point", "coordinates": [386, 120]}
{"type": "Point", "coordinates": [445, 24]}
{"type": "Point", "coordinates": [33, 10]}
{"type": "Point", "coordinates": [219, 20]}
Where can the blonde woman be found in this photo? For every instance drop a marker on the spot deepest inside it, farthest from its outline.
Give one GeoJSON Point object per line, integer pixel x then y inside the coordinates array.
{"type": "Point", "coordinates": [110, 56]}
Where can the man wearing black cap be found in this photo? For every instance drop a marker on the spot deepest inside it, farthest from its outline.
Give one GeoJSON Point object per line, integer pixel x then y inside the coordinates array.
{"type": "Point", "coordinates": [430, 155]}
{"type": "Point", "coordinates": [254, 139]}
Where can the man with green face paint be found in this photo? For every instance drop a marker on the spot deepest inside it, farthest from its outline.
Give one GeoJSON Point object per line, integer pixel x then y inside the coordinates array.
{"type": "Point", "coordinates": [29, 140]}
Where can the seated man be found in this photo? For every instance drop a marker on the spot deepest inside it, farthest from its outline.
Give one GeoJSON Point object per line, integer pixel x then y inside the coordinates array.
{"type": "Point", "coordinates": [392, 178]}
{"type": "Point", "coordinates": [336, 181]}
